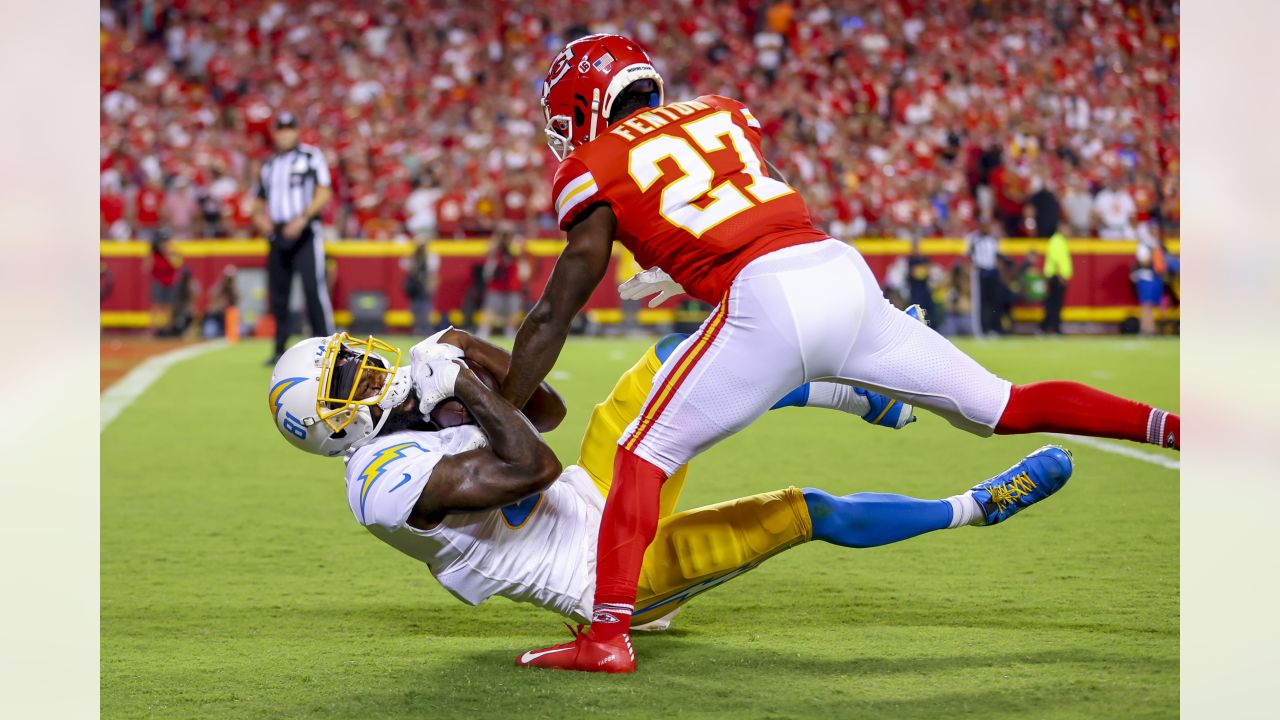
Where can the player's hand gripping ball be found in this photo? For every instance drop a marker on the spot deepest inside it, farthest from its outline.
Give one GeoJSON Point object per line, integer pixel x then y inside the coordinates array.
{"type": "Point", "coordinates": [451, 412]}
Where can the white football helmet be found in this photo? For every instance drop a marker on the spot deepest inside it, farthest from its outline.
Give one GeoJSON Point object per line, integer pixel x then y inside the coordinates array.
{"type": "Point", "coordinates": [313, 386]}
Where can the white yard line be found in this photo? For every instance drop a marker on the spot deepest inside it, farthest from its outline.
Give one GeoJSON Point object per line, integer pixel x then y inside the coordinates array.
{"type": "Point", "coordinates": [128, 388]}
{"type": "Point", "coordinates": [1119, 449]}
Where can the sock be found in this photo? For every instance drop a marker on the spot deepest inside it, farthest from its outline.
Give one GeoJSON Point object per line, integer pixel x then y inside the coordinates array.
{"type": "Point", "coordinates": [627, 527]}
{"type": "Point", "coordinates": [837, 396]}
{"type": "Point", "coordinates": [965, 510]}
{"type": "Point", "coordinates": [865, 520]}
{"type": "Point", "coordinates": [1164, 429]}
{"type": "Point", "coordinates": [1070, 407]}
{"type": "Point", "coordinates": [796, 398]}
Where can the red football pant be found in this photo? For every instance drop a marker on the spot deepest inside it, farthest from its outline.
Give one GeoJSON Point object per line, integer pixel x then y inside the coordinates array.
{"type": "Point", "coordinates": [1070, 407]}
{"type": "Point", "coordinates": [627, 527]}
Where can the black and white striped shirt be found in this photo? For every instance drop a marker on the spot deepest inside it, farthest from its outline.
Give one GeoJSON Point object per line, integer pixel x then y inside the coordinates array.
{"type": "Point", "coordinates": [984, 249]}
{"type": "Point", "coordinates": [289, 179]}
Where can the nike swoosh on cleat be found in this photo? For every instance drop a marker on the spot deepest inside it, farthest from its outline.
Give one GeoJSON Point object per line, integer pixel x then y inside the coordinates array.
{"type": "Point", "coordinates": [530, 656]}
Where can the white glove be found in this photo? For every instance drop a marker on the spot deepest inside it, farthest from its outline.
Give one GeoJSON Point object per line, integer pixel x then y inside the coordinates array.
{"type": "Point", "coordinates": [648, 282]}
{"type": "Point", "coordinates": [434, 382]}
{"type": "Point", "coordinates": [432, 349]}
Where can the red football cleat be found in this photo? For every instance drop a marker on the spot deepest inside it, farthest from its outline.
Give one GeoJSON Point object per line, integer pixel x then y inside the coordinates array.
{"type": "Point", "coordinates": [584, 654]}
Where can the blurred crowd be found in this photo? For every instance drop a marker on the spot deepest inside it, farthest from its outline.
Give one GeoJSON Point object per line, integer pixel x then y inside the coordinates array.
{"type": "Point", "coordinates": [893, 117]}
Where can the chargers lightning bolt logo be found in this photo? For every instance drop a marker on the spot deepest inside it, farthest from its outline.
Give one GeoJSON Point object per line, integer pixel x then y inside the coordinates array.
{"type": "Point", "coordinates": [378, 466]}
{"type": "Point", "coordinates": [275, 398]}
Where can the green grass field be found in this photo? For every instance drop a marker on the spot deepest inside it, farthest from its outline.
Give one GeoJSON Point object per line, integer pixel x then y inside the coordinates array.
{"type": "Point", "coordinates": [235, 582]}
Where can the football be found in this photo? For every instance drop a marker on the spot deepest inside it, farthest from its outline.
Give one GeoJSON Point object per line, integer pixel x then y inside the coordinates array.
{"type": "Point", "coordinates": [451, 412]}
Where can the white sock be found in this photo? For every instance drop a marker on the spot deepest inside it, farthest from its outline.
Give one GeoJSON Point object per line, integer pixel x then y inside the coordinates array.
{"type": "Point", "coordinates": [965, 510]}
{"type": "Point", "coordinates": [837, 396]}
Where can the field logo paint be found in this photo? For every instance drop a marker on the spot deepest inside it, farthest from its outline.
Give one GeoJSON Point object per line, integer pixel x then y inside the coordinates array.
{"type": "Point", "coordinates": [378, 466]}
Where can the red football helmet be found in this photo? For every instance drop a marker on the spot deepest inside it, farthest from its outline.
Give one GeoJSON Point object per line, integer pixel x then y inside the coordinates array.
{"type": "Point", "coordinates": [584, 80]}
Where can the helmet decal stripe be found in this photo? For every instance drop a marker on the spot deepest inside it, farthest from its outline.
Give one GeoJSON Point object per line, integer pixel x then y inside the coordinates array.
{"type": "Point", "coordinates": [275, 398]}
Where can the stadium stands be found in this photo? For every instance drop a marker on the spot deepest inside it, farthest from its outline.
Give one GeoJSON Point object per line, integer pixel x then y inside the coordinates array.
{"type": "Point", "coordinates": [893, 117]}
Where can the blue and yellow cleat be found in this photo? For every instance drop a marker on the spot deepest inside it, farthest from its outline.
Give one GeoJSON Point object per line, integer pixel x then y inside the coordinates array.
{"type": "Point", "coordinates": [885, 411]}
{"type": "Point", "coordinates": [1034, 478]}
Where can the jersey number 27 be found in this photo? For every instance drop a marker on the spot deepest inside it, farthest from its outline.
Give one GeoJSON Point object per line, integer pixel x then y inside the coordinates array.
{"type": "Point", "coordinates": [680, 198]}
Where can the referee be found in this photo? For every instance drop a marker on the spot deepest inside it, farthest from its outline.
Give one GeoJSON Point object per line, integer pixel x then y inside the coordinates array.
{"type": "Point", "coordinates": [293, 187]}
{"type": "Point", "coordinates": [983, 248]}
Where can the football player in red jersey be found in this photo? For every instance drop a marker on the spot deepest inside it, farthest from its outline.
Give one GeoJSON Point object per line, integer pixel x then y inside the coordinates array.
{"type": "Point", "coordinates": [684, 187]}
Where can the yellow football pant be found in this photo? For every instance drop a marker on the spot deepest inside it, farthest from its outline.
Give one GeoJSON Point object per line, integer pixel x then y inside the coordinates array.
{"type": "Point", "coordinates": [698, 549]}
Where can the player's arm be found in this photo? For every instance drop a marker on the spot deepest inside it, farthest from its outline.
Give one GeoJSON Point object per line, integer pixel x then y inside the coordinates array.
{"type": "Point", "coordinates": [577, 273]}
{"type": "Point", "coordinates": [515, 465]}
{"type": "Point", "coordinates": [261, 221]}
{"type": "Point", "coordinates": [545, 408]}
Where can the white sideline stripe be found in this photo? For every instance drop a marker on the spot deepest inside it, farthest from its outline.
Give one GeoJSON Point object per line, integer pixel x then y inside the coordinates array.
{"type": "Point", "coordinates": [128, 388]}
{"type": "Point", "coordinates": [1118, 449]}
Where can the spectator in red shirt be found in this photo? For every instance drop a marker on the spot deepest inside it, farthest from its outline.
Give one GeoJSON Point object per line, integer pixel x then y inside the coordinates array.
{"type": "Point", "coordinates": [111, 215]}
{"type": "Point", "coordinates": [162, 266]}
{"type": "Point", "coordinates": [450, 210]}
{"type": "Point", "coordinates": [505, 276]}
{"type": "Point", "coordinates": [148, 209]}
{"type": "Point", "coordinates": [867, 88]}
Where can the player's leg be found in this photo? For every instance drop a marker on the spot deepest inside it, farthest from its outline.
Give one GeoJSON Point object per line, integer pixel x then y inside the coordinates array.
{"type": "Point", "coordinates": [610, 418]}
{"type": "Point", "coordinates": [279, 281]}
{"type": "Point", "coordinates": [743, 359]}
{"type": "Point", "coordinates": [865, 520]}
{"type": "Point", "coordinates": [488, 314]}
{"type": "Point", "coordinates": [874, 408]}
{"type": "Point", "coordinates": [697, 550]}
{"type": "Point", "coordinates": [789, 317]}
{"type": "Point", "coordinates": [309, 258]}
{"type": "Point", "coordinates": [900, 357]}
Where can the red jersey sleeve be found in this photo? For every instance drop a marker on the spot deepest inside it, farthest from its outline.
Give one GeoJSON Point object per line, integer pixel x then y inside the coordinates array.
{"type": "Point", "coordinates": [575, 189]}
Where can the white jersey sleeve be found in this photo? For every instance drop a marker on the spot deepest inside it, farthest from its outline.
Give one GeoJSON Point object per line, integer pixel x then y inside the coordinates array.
{"type": "Point", "coordinates": [386, 479]}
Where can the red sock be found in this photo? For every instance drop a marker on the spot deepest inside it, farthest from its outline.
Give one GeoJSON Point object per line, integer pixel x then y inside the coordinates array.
{"type": "Point", "coordinates": [627, 527]}
{"type": "Point", "coordinates": [1069, 407]}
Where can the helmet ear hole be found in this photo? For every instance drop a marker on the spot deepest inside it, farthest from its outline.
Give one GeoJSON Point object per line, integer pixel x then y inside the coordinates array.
{"type": "Point", "coordinates": [579, 117]}
{"type": "Point", "coordinates": [339, 435]}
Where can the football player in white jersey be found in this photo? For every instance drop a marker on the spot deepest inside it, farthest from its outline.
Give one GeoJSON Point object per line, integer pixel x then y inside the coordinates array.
{"type": "Point", "coordinates": [441, 467]}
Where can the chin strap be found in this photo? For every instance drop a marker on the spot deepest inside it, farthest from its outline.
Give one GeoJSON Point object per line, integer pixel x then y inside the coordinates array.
{"type": "Point", "coordinates": [373, 433]}
{"type": "Point", "coordinates": [595, 112]}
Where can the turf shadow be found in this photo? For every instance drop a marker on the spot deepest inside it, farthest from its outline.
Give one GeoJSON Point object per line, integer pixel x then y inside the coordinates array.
{"type": "Point", "coordinates": [715, 681]}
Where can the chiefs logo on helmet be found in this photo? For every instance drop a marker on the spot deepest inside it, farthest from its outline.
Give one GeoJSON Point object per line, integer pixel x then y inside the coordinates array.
{"type": "Point", "coordinates": [583, 82]}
